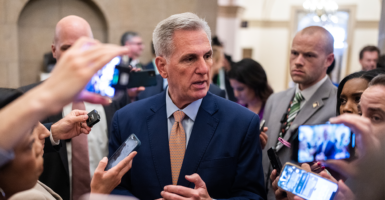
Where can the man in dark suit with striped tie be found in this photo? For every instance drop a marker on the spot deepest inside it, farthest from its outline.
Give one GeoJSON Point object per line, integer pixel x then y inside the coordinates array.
{"type": "Point", "coordinates": [312, 101]}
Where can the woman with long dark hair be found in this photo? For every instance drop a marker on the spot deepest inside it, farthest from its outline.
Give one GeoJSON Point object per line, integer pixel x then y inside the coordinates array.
{"type": "Point", "coordinates": [351, 88]}
{"type": "Point", "coordinates": [249, 82]}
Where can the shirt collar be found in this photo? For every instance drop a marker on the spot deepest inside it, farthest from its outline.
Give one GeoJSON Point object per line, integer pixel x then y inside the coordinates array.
{"type": "Point", "coordinates": [134, 63]}
{"type": "Point", "coordinates": [308, 92]}
{"type": "Point", "coordinates": [191, 110]}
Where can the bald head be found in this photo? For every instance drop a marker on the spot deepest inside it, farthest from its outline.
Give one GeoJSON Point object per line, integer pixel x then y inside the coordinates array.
{"type": "Point", "coordinates": [327, 40]}
{"type": "Point", "coordinates": [311, 55]}
{"type": "Point", "coordinates": [67, 31]}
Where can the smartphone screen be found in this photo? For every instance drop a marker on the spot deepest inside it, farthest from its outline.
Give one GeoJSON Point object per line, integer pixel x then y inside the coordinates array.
{"type": "Point", "coordinates": [101, 82]}
{"type": "Point", "coordinates": [323, 142]}
{"type": "Point", "coordinates": [305, 184]}
{"type": "Point", "coordinates": [114, 77]}
{"type": "Point", "coordinates": [128, 146]}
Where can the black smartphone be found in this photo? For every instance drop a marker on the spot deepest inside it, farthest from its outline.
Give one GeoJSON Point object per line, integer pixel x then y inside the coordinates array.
{"type": "Point", "coordinates": [131, 144]}
{"type": "Point", "coordinates": [117, 76]}
{"type": "Point", "coordinates": [142, 78]}
{"type": "Point", "coordinates": [274, 160]}
{"type": "Point", "coordinates": [307, 185]}
{"type": "Point", "coordinates": [323, 142]}
{"type": "Point", "coordinates": [93, 118]}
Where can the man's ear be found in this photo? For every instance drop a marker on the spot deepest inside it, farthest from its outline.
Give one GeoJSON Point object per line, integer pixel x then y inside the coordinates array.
{"type": "Point", "coordinates": [53, 49]}
{"type": "Point", "coordinates": [161, 63]}
{"type": "Point", "coordinates": [329, 59]}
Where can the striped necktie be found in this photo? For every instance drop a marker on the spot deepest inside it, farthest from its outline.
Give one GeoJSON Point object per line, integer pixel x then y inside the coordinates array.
{"type": "Point", "coordinates": [294, 109]}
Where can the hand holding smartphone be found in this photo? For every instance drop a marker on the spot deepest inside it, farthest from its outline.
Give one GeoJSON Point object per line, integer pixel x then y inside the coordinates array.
{"type": "Point", "coordinates": [116, 76]}
{"type": "Point", "coordinates": [262, 125]}
{"type": "Point", "coordinates": [307, 185]}
{"type": "Point", "coordinates": [274, 160]}
{"type": "Point", "coordinates": [131, 144]}
{"type": "Point", "coordinates": [323, 142]}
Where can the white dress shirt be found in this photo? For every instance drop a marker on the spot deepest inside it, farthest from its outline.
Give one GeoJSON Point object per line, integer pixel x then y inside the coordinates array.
{"type": "Point", "coordinates": [53, 142]}
{"type": "Point", "coordinates": [134, 63]}
{"type": "Point", "coordinates": [308, 92]}
{"type": "Point", "coordinates": [97, 139]}
{"type": "Point", "coordinates": [191, 112]}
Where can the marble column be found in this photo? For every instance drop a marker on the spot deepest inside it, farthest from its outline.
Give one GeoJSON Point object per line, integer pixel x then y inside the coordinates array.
{"type": "Point", "coordinates": [381, 29]}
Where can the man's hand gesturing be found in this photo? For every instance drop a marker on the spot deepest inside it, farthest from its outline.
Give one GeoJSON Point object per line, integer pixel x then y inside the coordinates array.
{"type": "Point", "coordinates": [179, 192]}
{"type": "Point", "coordinates": [71, 125]}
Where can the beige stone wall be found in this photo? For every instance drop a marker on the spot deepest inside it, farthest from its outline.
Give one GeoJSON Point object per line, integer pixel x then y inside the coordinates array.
{"type": "Point", "coordinates": [272, 25]}
{"type": "Point", "coordinates": [142, 16]}
{"type": "Point", "coordinates": [26, 27]}
{"type": "Point", "coordinates": [36, 26]}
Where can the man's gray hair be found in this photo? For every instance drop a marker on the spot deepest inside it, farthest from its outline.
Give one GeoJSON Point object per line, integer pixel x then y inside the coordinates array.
{"type": "Point", "coordinates": [127, 36]}
{"type": "Point", "coordinates": [378, 80]}
{"type": "Point", "coordinates": [164, 31]}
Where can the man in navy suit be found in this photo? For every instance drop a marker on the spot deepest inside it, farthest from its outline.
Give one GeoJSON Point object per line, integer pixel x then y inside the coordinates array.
{"type": "Point", "coordinates": [220, 153]}
{"type": "Point", "coordinates": [327, 149]}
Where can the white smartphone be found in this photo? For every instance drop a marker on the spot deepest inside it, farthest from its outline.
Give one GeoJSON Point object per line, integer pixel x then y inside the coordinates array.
{"type": "Point", "coordinates": [305, 184]}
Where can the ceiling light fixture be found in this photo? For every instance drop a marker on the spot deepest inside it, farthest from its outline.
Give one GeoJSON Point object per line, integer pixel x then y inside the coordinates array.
{"type": "Point", "coordinates": [323, 9]}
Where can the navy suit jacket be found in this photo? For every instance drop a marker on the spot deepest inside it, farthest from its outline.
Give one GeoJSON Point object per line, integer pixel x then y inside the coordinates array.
{"type": "Point", "coordinates": [329, 150]}
{"type": "Point", "coordinates": [224, 149]}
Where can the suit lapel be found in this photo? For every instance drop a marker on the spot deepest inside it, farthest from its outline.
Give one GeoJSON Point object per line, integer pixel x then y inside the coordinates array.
{"type": "Point", "coordinates": [63, 150]}
{"type": "Point", "coordinates": [315, 103]}
{"type": "Point", "coordinates": [279, 112]}
{"type": "Point", "coordinates": [203, 130]}
{"type": "Point", "coordinates": [158, 136]}
{"type": "Point", "coordinates": [64, 155]}
{"type": "Point", "coordinates": [109, 111]}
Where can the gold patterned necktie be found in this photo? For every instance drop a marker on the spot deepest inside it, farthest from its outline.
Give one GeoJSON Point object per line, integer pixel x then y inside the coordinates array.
{"type": "Point", "coordinates": [177, 145]}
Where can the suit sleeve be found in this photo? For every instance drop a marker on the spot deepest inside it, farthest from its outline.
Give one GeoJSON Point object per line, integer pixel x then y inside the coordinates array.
{"type": "Point", "coordinates": [48, 147]}
{"type": "Point", "coordinates": [268, 108]}
{"type": "Point", "coordinates": [249, 181]}
{"type": "Point", "coordinates": [114, 144]}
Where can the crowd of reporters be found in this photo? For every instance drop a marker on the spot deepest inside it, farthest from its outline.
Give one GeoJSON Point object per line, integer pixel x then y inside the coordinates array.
{"type": "Point", "coordinates": [358, 102]}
